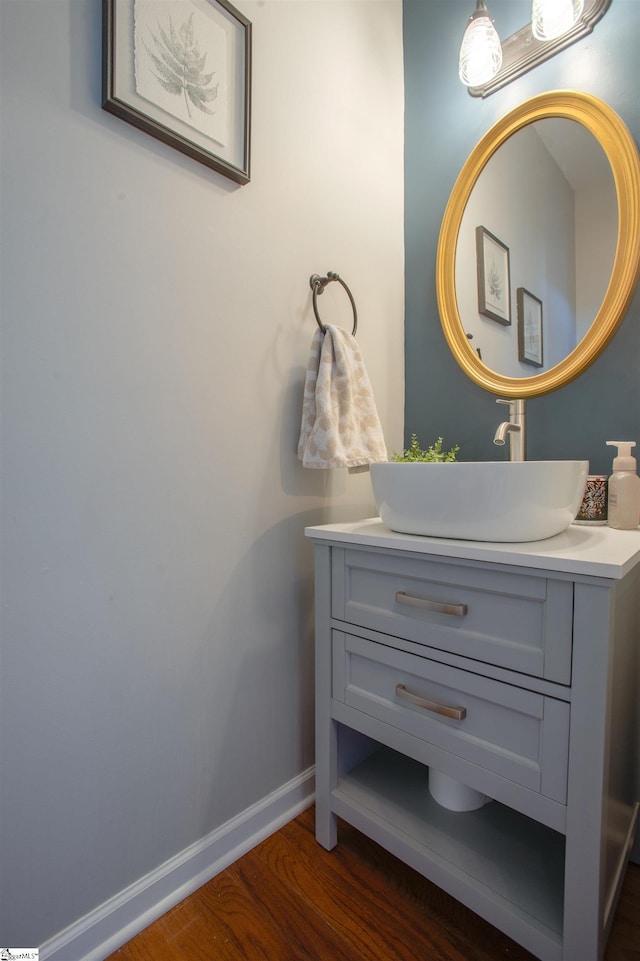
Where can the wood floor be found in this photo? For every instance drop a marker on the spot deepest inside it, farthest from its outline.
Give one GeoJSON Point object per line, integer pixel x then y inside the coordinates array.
{"type": "Point", "coordinates": [290, 900]}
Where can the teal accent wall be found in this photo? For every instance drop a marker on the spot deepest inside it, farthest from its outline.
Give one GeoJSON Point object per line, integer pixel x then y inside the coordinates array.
{"type": "Point", "coordinates": [443, 123]}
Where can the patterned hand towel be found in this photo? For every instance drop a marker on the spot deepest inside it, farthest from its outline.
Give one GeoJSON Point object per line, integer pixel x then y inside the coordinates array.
{"type": "Point", "coordinates": [340, 423]}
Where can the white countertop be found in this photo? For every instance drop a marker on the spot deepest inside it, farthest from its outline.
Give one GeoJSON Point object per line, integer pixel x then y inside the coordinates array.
{"type": "Point", "coordinates": [594, 551]}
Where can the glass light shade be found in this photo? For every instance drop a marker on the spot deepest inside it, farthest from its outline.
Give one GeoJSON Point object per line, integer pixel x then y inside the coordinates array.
{"type": "Point", "coordinates": [552, 18]}
{"type": "Point", "coordinates": [480, 53]}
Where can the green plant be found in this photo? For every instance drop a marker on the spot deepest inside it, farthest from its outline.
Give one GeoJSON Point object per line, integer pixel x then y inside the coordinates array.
{"type": "Point", "coordinates": [432, 455]}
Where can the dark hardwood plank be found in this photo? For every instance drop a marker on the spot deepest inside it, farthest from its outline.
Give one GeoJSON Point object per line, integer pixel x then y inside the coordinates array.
{"type": "Point", "coordinates": [308, 932]}
{"type": "Point", "coordinates": [367, 864]}
{"type": "Point", "coordinates": [368, 923]}
{"type": "Point", "coordinates": [221, 921]}
{"type": "Point", "coordinates": [290, 900]}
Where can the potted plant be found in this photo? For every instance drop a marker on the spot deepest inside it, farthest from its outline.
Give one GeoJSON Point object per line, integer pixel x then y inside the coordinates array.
{"type": "Point", "coordinates": [432, 455]}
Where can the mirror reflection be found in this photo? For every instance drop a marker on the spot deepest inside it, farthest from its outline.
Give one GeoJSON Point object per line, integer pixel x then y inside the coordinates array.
{"type": "Point", "coordinates": [536, 247]}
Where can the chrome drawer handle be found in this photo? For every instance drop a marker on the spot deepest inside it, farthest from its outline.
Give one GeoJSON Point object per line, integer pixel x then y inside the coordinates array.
{"type": "Point", "coordinates": [457, 713]}
{"type": "Point", "coordinates": [459, 610]}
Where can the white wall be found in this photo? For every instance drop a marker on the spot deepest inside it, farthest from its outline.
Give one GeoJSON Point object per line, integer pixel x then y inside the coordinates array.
{"type": "Point", "coordinates": [596, 216]}
{"type": "Point", "coordinates": [156, 586]}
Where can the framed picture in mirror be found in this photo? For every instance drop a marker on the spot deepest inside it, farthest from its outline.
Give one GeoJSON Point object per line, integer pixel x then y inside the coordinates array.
{"type": "Point", "coordinates": [529, 328]}
{"type": "Point", "coordinates": [494, 281]}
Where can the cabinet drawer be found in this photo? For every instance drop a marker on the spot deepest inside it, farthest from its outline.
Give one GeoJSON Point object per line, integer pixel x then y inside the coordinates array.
{"type": "Point", "coordinates": [516, 620]}
{"type": "Point", "coordinates": [517, 734]}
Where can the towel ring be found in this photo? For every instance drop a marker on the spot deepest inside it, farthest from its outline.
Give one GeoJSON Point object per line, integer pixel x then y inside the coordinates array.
{"type": "Point", "coordinates": [317, 284]}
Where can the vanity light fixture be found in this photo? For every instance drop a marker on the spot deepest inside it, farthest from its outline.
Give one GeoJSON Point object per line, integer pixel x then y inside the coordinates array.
{"type": "Point", "coordinates": [552, 18]}
{"type": "Point", "coordinates": [481, 52]}
{"type": "Point", "coordinates": [538, 40]}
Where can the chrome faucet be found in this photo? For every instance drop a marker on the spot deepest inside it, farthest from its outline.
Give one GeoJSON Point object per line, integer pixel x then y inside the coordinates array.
{"type": "Point", "coordinates": [514, 429]}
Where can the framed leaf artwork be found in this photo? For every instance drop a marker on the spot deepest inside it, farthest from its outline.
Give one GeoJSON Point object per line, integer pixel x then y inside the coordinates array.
{"type": "Point", "coordinates": [494, 280]}
{"type": "Point", "coordinates": [181, 71]}
{"type": "Point", "coordinates": [529, 328]}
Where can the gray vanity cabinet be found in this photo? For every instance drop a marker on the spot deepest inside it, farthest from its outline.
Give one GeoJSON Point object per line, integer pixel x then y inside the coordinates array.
{"type": "Point", "coordinates": [511, 668]}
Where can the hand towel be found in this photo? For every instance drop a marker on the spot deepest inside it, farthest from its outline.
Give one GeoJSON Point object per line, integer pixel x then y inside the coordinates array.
{"type": "Point", "coordinates": [340, 423]}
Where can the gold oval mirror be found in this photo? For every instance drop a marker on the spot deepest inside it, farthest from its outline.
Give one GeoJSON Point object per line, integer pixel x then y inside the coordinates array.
{"type": "Point", "coordinates": [522, 312]}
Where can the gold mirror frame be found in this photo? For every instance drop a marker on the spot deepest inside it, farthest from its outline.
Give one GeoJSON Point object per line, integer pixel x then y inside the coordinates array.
{"type": "Point", "coordinates": [621, 151]}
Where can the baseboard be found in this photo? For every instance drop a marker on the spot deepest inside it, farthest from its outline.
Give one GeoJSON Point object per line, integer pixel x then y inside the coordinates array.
{"type": "Point", "coordinates": [103, 931]}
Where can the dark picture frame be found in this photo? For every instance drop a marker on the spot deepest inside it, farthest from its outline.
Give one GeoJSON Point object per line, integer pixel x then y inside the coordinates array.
{"type": "Point", "coordinates": [494, 277]}
{"type": "Point", "coordinates": [529, 328]}
{"type": "Point", "coordinates": [145, 50]}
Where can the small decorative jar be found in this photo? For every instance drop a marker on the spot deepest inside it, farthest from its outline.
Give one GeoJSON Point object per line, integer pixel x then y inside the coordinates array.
{"type": "Point", "coordinates": [593, 509]}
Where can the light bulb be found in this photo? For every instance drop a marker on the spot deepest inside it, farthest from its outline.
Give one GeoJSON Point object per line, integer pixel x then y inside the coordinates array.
{"type": "Point", "coordinates": [481, 52]}
{"type": "Point", "coordinates": [552, 18]}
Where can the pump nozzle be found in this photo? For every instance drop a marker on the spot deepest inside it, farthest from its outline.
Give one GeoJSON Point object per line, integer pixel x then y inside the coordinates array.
{"type": "Point", "coordinates": [624, 460]}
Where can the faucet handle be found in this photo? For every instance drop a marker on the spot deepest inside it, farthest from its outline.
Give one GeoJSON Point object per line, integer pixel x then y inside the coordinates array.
{"type": "Point", "coordinates": [515, 406]}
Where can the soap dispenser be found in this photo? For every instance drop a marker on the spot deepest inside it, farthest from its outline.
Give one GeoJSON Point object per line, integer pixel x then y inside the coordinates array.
{"type": "Point", "coordinates": [624, 488]}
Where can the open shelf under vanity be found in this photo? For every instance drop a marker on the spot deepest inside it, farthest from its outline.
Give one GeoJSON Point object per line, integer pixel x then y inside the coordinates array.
{"type": "Point", "coordinates": [502, 864]}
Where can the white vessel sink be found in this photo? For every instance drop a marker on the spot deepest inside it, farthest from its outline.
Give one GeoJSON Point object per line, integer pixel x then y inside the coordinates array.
{"type": "Point", "coordinates": [500, 501]}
